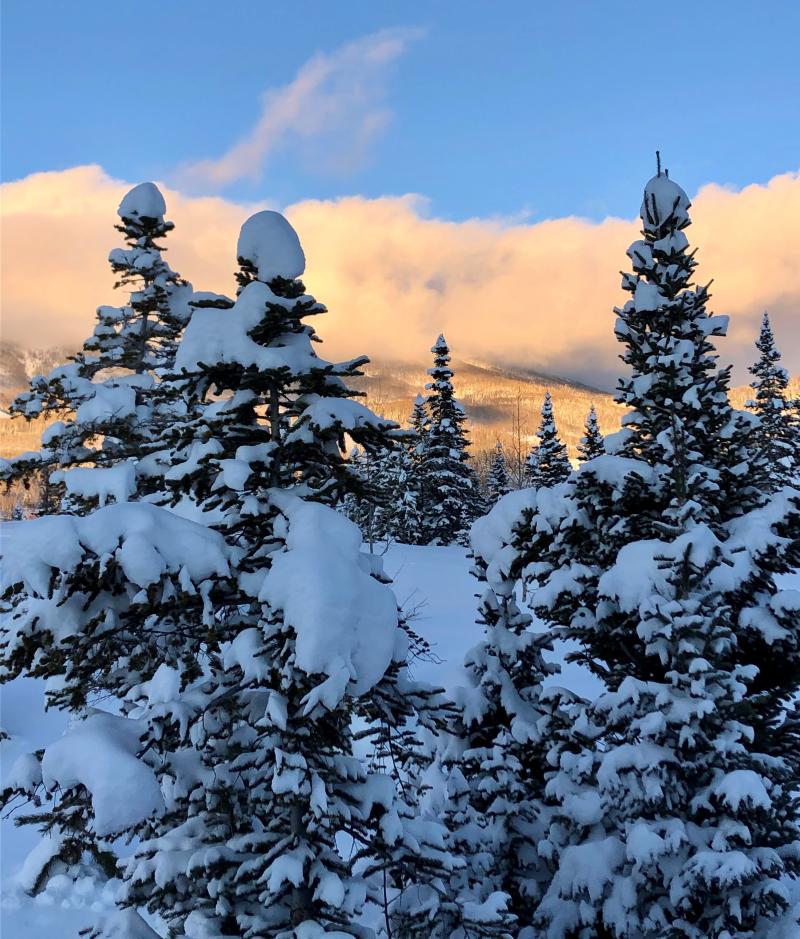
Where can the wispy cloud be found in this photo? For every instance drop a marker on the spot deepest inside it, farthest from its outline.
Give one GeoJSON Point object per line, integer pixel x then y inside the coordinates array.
{"type": "Point", "coordinates": [337, 98]}
{"type": "Point", "coordinates": [393, 275]}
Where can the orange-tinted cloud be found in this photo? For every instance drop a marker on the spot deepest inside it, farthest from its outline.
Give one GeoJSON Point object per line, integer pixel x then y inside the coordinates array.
{"type": "Point", "coordinates": [539, 294]}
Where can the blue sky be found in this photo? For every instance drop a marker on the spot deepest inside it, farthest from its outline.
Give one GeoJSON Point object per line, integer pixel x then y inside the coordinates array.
{"type": "Point", "coordinates": [501, 116]}
{"type": "Point", "coordinates": [512, 109]}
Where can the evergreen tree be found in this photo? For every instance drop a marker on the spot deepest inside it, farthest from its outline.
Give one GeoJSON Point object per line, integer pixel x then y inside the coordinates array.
{"type": "Point", "coordinates": [407, 859]}
{"type": "Point", "coordinates": [451, 496]}
{"type": "Point", "coordinates": [776, 439]}
{"type": "Point", "coordinates": [107, 398]}
{"type": "Point", "coordinates": [496, 764]}
{"type": "Point", "coordinates": [550, 464]}
{"type": "Point", "coordinates": [240, 654]}
{"type": "Point", "coordinates": [531, 470]}
{"type": "Point", "coordinates": [591, 444]}
{"type": "Point", "coordinates": [419, 422]}
{"type": "Point", "coordinates": [410, 521]}
{"type": "Point", "coordinates": [303, 779]}
{"type": "Point", "coordinates": [401, 518]}
{"type": "Point", "coordinates": [499, 483]}
{"type": "Point", "coordinates": [671, 795]}
{"type": "Point", "coordinates": [366, 503]}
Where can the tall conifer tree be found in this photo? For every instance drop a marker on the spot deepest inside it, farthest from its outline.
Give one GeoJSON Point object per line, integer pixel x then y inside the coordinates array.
{"type": "Point", "coordinates": [777, 438]}
{"type": "Point", "coordinates": [499, 483]}
{"type": "Point", "coordinates": [591, 444]}
{"type": "Point", "coordinates": [672, 794]}
{"type": "Point", "coordinates": [548, 464]}
{"type": "Point", "coordinates": [451, 496]}
{"type": "Point", "coordinates": [111, 408]}
{"type": "Point", "coordinates": [107, 399]}
{"type": "Point", "coordinates": [242, 653]}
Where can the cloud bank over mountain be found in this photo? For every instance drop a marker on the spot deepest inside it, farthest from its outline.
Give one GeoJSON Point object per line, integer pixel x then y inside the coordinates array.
{"type": "Point", "coordinates": [393, 276]}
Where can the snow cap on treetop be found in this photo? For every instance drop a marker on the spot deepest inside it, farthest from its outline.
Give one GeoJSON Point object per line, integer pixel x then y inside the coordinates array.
{"type": "Point", "coordinates": [440, 345]}
{"type": "Point", "coordinates": [143, 201]}
{"type": "Point", "coordinates": [271, 245]}
{"type": "Point", "coordinates": [664, 203]}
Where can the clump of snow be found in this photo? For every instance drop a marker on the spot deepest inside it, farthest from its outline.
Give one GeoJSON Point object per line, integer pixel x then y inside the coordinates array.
{"type": "Point", "coordinates": [145, 539]}
{"type": "Point", "coordinates": [617, 470]}
{"type": "Point", "coordinates": [589, 866]}
{"type": "Point", "coordinates": [101, 483]}
{"type": "Point", "coordinates": [123, 924]}
{"type": "Point", "coordinates": [345, 620]}
{"type": "Point", "coordinates": [47, 848]}
{"type": "Point", "coordinates": [662, 200]}
{"type": "Point", "coordinates": [108, 401]}
{"type": "Point", "coordinates": [100, 754]}
{"type": "Point", "coordinates": [491, 535]}
{"type": "Point", "coordinates": [223, 336]}
{"type": "Point", "coordinates": [25, 773]}
{"type": "Point", "coordinates": [486, 912]}
{"type": "Point", "coordinates": [143, 201]}
{"type": "Point", "coordinates": [271, 245]}
{"type": "Point", "coordinates": [321, 413]}
{"type": "Point", "coordinates": [648, 297]}
{"type": "Point", "coordinates": [742, 785]}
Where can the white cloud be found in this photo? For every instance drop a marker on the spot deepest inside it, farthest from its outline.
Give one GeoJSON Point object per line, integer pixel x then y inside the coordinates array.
{"type": "Point", "coordinates": [337, 98]}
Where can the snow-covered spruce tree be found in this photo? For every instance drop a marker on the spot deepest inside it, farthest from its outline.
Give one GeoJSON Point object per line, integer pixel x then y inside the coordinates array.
{"type": "Point", "coordinates": [591, 444]}
{"type": "Point", "coordinates": [397, 517]}
{"type": "Point", "coordinates": [451, 492]}
{"type": "Point", "coordinates": [550, 465]}
{"type": "Point", "coordinates": [100, 603]}
{"type": "Point", "coordinates": [407, 858]}
{"type": "Point", "coordinates": [531, 469]}
{"type": "Point", "coordinates": [363, 502]}
{"type": "Point", "coordinates": [494, 762]}
{"type": "Point", "coordinates": [106, 399]}
{"type": "Point", "coordinates": [671, 794]}
{"type": "Point", "coordinates": [777, 438]}
{"type": "Point", "coordinates": [398, 513]}
{"type": "Point", "coordinates": [419, 421]}
{"type": "Point", "coordinates": [408, 525]}
{"type": "Point", "coordinates": [499, 483]}
{"type": "Point", "coordinates": [310, 640]}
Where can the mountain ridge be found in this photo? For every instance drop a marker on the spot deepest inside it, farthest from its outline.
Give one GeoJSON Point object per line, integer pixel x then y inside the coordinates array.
{"type": "Point", "coordinates": [502, 400]}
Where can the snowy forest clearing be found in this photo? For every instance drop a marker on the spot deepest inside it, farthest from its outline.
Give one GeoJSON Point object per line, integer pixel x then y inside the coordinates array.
{"type": "Point", "coordinates": [433, 583]}
{"type": "Point", "coordinates": [267, 742]}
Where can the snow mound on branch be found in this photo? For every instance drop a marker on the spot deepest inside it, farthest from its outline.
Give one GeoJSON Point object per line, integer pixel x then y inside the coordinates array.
{"type": "Point", "coordinates": [345, 620]}
{"type": "Point", "coordinates": [491, 536]}
{"type": "Point", "coordinates": [662, 200]}
{"type": "Point", "coordinates": [99, 482]}
{"type": "Point", "coordinates": [223, 337]}
{"type": "Point", "coordinates": [271, 245]}
{"type": "Point", "coordinates": [322, 413]}
{"type": "Point", "coordinates": [123, 924]}
{"type": "Point", "coordinates": [107, 401]}
{"type": "Point", "coordinates": [100, 754]}
{"type": "Point", "coordinates": [143, 201]}
{"type": "Point", "coordinates": [146, 540]}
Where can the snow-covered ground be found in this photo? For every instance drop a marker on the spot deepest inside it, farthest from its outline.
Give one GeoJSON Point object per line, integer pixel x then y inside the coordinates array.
{"type": "Point", "coordinates": [433, 584]}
